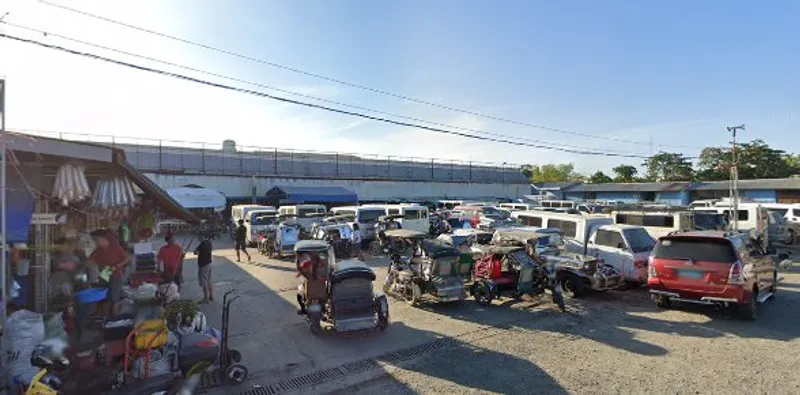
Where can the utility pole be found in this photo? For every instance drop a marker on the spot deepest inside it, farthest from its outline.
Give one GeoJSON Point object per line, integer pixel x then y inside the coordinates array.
{"type": "Point", "coordinates": [3, 208]}
{"type": "Point", "coordinates": [734, 189]}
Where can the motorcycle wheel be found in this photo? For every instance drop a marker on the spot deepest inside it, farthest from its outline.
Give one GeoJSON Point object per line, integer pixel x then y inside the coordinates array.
{"type": "Point", "coordinates": [236, 374]}
{"type": "Point", "coordinates": [558, 298]}
{"type": "Point", "coordinates": [374, 248]}
{"type": "Point", "coordinates": [383, 312]}
{"type": "Point", "coordinates": [412, 294]}
{"type": "Point", "coordinates": [573, 286]}
{"type": "Point", "coordinates": [234, 356]}
{"type": "Point", "coordinates": [482, 294]}
{"type": "Point", "coordinates": [387, 286]}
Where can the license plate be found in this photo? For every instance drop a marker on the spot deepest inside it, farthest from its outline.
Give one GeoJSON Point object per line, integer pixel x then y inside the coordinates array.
{"type": "Point", "coordinates": [694, 275]}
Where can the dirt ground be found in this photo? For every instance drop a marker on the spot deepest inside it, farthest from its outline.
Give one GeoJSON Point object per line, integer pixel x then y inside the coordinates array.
{"type": "Point", "coordinates": [615, 342]}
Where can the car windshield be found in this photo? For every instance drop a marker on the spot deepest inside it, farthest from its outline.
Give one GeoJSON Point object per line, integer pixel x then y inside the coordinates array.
{"type": "Point", "coordinates": [696, 249]}
{"type": "Point", "coordinates": [709, 221]}
{"type": "Point", "coordinates": [550, 239]}
{"type": "Point", "coordinates": [264, 220]}
{"type": "Point", "coordinates": [639, 240]}
{"type": "Point", "coordinates": [366, 216]}
{"type": "Point", "coordinates": [308, 210]}
{"type": "Point", "coordinates": [492, 212]}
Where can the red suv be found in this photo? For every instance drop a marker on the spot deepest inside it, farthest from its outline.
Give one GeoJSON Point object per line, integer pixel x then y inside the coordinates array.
{"type": "Point", "coordinates": [711, 268]}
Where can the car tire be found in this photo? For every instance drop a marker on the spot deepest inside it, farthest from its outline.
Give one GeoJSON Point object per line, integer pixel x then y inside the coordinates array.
{"type": "Point", "coordinates": [413, 294]}
{"type": "Point", "coordinates": [482, 294]}
{"type": "Point", "coordinates": [749, 311]}
{"type": "Point", "coordinates": [573, 286]}
{"type": "Point", "coordinates": [789, 237]}
{"type": "Point", "coordinates": [663, 302]}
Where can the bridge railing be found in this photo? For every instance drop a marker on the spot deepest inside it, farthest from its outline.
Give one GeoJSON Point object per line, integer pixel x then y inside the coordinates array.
{"type": "Point", "coordinates": [151, 155]}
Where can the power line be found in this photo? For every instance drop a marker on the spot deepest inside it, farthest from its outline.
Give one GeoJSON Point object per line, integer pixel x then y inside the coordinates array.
{"type": "Point", "coordinates": [346, 83]}
{"type": "Point", "coordinates": [172, 64]}
{"type": "Point", "coordinates": [310, 105]}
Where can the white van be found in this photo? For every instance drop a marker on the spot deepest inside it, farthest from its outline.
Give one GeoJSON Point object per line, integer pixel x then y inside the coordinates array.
{"type": "Point", "coordinates": [790, 212]}
{"type": "Point", "coordinates": [623, 246]}
{"type": "Point", "coordinates": [303, 214]}
{"type": "Point", "coordinates": [657, 223]}
{"type": "Point", "coordinates": [576, 227]}
{"type": "Point", "coordinates": [365, 216]}
{"type": "Point", "coordinates": [239, 212]}
{"type": "Point", "coordinates": [414, 217]}
{"type": "Point", "coordinates": [749, 214]}
{"type": "Point", "coordinates": [517, 206]}
{"type": "Point", "coordinates": [448, 204]}
{"type": "Point", "coordinates": [257, 221]}
{"type": "Point", "coordinates": [559, 204]}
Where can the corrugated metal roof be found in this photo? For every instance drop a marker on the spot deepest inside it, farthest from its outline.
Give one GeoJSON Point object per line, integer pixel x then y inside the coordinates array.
{"type": "Point", "coordinates": [764, 183]}
{"type": "Point", "coordinates": [632, 187]}
{"type": "Point", "coordinates": [554, 185]}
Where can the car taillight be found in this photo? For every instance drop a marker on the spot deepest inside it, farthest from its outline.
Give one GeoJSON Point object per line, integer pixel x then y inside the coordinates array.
{"type": "Point", "coordinates": [736, 277]}
{"type": "Point", "coordinates": [651, 268]}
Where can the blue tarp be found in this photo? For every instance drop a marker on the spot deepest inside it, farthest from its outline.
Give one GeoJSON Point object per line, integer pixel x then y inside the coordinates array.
{"type": "Point", "coordinates": [19, 205]}
{"type": "Point", "coordinates": [302, 194]}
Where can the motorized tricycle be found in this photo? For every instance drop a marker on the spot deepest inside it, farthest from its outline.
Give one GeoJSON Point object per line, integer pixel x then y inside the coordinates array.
{"type": "Point", "coordinates": [286, 236]}
{"type": "Point", "coordinates": [508, 270]}
{"type": "Point", "coordinates": [418, 267]}
{"type": "Point", "coordinates": [385, 223]}
{"type": "Point", "coordinates": [578, 274]}
{"type": "Point", "coordinates": [338, 235]}
{"type": "Point", "coordinates": [338, 293]}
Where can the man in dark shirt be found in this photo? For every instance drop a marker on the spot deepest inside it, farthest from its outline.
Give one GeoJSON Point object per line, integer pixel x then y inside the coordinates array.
{"type": "Point", "coordinates": [241, 241]}
{"type": "Point", "coordinates": [203, 252]}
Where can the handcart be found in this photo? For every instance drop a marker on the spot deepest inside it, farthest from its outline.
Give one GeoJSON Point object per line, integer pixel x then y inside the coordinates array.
{"type": "Point", "coordinates": [229, 369]}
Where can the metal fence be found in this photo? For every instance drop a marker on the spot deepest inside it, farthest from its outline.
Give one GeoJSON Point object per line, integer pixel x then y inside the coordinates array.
{"type": "Point", "coordinates": [208, 158]}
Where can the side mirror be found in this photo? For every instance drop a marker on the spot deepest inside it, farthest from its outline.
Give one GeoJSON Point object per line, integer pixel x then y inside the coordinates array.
{"type": "Point", "coordinates": [622, 246]}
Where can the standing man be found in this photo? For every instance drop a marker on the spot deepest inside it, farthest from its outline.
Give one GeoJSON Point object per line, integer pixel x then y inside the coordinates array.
{"type": "Point", "coordinates": [241, 241]}
{"type": "Point", "coordinates": [203, 252]}
{"type": "Point", "coordinates": [110, 254]}
{"type": "Point", "coordinates": [170, 259]}
{"type": "Point", "coordinates": [357, 242]}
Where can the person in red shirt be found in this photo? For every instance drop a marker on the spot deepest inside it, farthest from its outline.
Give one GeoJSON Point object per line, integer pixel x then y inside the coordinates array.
{"type": "Point", "coordinates": [170, 258]}
{"type": "Point", "coordinates": [110, 254]}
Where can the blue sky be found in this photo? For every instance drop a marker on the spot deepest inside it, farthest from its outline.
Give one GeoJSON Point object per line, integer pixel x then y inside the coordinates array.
{"type": "Point", "coordinates": [675, 72]}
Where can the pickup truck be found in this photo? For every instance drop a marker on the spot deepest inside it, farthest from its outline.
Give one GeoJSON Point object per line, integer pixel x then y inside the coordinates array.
{"type": "Point", "coordinates": [624, 247]}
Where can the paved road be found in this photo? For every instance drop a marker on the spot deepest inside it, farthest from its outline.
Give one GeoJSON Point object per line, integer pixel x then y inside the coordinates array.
{"type": "Point", "coordinates": [616, 342]}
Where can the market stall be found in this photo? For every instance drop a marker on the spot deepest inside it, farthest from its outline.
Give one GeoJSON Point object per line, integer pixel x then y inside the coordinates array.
{"type": "Point", "coordinates": [82, 276]}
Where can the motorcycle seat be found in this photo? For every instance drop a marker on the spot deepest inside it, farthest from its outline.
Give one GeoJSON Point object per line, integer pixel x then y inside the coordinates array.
{"type": "Point", "coordinates": [504, 280]}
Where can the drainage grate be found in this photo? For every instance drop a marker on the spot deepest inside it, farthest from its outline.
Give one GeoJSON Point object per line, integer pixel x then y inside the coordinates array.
{"type": "Point", "coordinates": [350, 368]}
{"type": "Point", "coordinates": [360, 366]}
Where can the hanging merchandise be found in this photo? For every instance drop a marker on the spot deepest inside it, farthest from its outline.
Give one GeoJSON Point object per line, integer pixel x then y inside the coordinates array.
{"type": "Point", "coordinates": [71, 185]}
{"type": "Point", "coordinates": [114, 192]}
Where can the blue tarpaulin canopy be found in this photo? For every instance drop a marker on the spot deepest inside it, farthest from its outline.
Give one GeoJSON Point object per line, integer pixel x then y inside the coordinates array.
{"type": "Point", "coordinates": [303, 194]}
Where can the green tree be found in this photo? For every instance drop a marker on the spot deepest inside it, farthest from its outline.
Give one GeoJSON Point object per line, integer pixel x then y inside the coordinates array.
{"type": "Point", "coordinates": [714, 164]}
{"type": "Point", "coordinates": [756, 159]}
{"type": "Point", "coordinates": [794, 163]}
{"type": "Point", "coordinates": [625, 173]}
{"type": "Point", "coordinates": [599, 178]}
{"type": "Point", "coordinates": [551, 173]}
{"type": "Point", "coordinates": [665, 167]}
